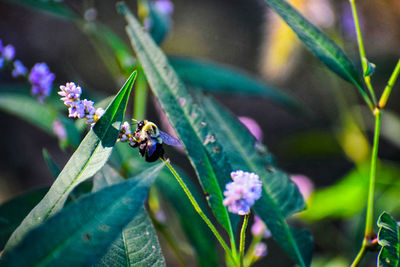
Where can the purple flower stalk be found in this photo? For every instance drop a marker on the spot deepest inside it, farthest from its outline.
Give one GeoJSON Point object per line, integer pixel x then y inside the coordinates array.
{"type": "Point", "coordinates": [19, 69]}
{"type": "Point", "coordinates": [41, 79]}
{"type": "Point", "coordinates": [241, 194]}
{"type": "Point", "coordinates": [59, 130]}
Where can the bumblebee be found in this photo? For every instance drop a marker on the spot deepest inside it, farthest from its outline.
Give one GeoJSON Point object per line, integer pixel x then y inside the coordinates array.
{"type": "Point", "coordinates": [149, 139]}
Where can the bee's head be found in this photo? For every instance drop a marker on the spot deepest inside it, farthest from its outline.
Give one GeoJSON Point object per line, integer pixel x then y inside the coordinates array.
{"type": "Point", "coordinates": [141, 124]}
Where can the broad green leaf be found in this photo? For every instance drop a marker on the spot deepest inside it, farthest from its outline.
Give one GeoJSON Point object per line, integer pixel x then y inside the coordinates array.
{"type": "Point", "coordinates": [353, 187]}
{"type": "Point", "coordinates": [219, 78]}
{"type": "Point", "coordinates": [29, 109]}
{"type": "Point", "coordinates": [54, 8]}
{"type": "Point", "coordinates": [14, 211]}
{"type": "Point", "coordinates": [19, 103]}
{"type": "Point", "coordinates": [90, 157]}
{"type": "Point", "coordinates": [280, 197]}
{"type": "Point", "coordinates": [138, 241]}
{"type": "Point", "coordinates": [202, 240]}
{"type": "Point", "coordinates": [319, 44]}
{"type": "Point", "coordinates": [81, 233]}
{"type": "Point", "coordinates": [186, 117]}
{"type": "Point", "coordinates": [389, 239]}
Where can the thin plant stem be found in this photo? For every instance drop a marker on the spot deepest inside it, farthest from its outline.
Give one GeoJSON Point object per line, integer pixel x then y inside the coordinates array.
{"type": "Point", "coordinates": [370, 208]}
{"type": "Point", "coordinates": [360, 255]}
{"type": "Point", "coordinates": [243, 239]}
{"type": "Point", "coordinates": [361, 49]}
{"type": "Point", "coordinates": [199, 211]}
{"type": "Point", "coordinates": [369, 221]}
{"type": "Point", "coordinates": [389, 86]}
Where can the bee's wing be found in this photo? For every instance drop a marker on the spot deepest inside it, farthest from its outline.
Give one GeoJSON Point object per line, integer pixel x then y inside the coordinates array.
{"type": "Point", "coordinates": [169, 140]}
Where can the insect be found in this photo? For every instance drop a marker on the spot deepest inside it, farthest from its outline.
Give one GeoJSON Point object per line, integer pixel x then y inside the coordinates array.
{"type": "Point", "coordinates": [150, 139]}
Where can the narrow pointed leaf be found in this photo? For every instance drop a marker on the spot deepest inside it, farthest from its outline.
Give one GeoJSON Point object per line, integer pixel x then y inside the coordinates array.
{"type": "Point", "coordinates": [90, 157]}
{"type": "Point", "coordinates": [138, 241]}
{"type": "Point", "coordinates": [219, 78]}
{"type": "Point", "coordinates": [186, 117]}
{"type": "Point", "coordinates": [195, 229]}
{"type": "Point", "coordinates": [280, 197]}
{"type": "Point", "coordinates": [319, 44]}
{"type": "Point", "coordinates": [14, 211]}
{"type": "Point", "coordinates": [81, 233]}
{"type": "Point", "coordinates": [389, 239]}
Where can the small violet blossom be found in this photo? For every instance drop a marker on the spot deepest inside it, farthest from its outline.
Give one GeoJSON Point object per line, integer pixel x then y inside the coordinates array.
{"type": "Point", "coordinates": [259, 228]}
{"type": "Point", "coordinates": [241, 194]}
{"type": "Point", "coordinates": [252, 126]}
{"type": "Point", "coordinates": [165, 7]}
{"type": "Point", "coordinates": [125, 134]}
{"type": "Point", "coordinates": [19, 69]}
{"type": "Point", "coordinates": [59, 130]}
{"type": "Point", "coordinates": [260, 250]}
{"type": "Point", "coordinates": [82, 109]}
{"type": "Point", "coordinates": [8, 52]}
{"type": "Point", "coordinates": [41, 79]}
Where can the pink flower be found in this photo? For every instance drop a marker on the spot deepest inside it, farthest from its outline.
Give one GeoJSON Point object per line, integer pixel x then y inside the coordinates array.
{"type": "Point", "coordinates": [304, 184]}
{"type": "Point", "coordinates": [252, 126]}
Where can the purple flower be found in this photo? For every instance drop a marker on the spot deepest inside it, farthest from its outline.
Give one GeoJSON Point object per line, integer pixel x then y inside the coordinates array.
{"type": "Point", "coordinates": [99, 113]}
{"type": "Point", "coordinates": [89, 111]}
{"type": "Point", "coordinates": [19, 69]}
{"type": "Point", "coordinates": [59, 130]}
{"type": "Point", "coordinates": [164, 7]}
{"type": "Point", "coordinates": [260, 250]}
{"type": "Point", "coordinates": [125, 132]}
{"type": "Point", "coordinates": [1, 47]}
{"type": "Point", "coordinates": [76, 109]}
{"type": "Point", "coordinates": [252, 126]}
{"type": "Point", "coordinates": [8, 52]}
{"type": "Point", "coordinates": [259, 228]}
{"type": "Point", "coordinates": [41, 79]}
{"type": "Point", "coordinates": [241, 194]}
{"type": "Point", "coordinates": [1, 62]}
{"type": "Point", "coordinates": [70, 93]}
{"type": "Point", "coordinates": [304, 184]}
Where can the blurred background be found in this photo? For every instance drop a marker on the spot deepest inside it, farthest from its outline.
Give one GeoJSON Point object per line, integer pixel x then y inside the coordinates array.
{"type": "Point", "coordinates": [328, 143]}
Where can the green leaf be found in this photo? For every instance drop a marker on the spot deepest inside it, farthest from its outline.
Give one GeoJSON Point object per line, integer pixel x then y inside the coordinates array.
{"type": "Point", "coordinates": [319, 44]}
{"type": "Point", "coordinates": [53, 8]}
{"type": "Point", "coordinates": [29, 109]}
{"type": "Point", "coordinates": [219, 78]}
{"type": "Point", "coordinates": [280, 197]}
{"type": "Point", "coordinates": [325, 203]}
{"type": "Point", "coordinates": [14, 211]}
{"type": "Point", "coordinates": [202, 240]}
{"type": "Point", "coordinates": [389, 239]}
{"type": "Point", "coordinates": [55, 171]}
{"type": "Point", "coordinates": [369, 67]}
{"type": "Point", "coordinates": [90, 157]}
{"type": "Point", "coordinates": [138, 241]}
{"type": "Point", "coordinates": [81, 233]}
{"type": "Point", "coordinates": [186, 117]}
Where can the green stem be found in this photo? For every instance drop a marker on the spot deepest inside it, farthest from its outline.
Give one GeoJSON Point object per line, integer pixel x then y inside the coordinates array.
{"type": "Point", "coordinates": [369, 221]}
{"type": "Point", "coordinates": [361, 49]}
{"type": "Point", "coordinates": [389, 86]}
{"type": "Point", "coordinates": [139, 105]}
{"type": "Point", "coordinates": [370, 208]}
{"type": "Point", "coordinates": [243, 238]}
{"type": "Point", "coordinates": [360, 255]}
{"type": "Point", "coordinates": [199, 211]}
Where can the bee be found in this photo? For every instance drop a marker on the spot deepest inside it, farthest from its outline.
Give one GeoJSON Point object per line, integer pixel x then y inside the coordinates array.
{"type": "Point", "coordinates": [150, 140]}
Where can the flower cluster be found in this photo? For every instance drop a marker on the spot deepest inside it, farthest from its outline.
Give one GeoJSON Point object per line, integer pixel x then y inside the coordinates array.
{"type": "Point", "coordinates": [82, 109]}
{"type": "Point", "coordinates": [40, 76]}
{"type": "Point", "coordinates": [125, 134]}
{"type": "Point", "coordinates": [241, 194]}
